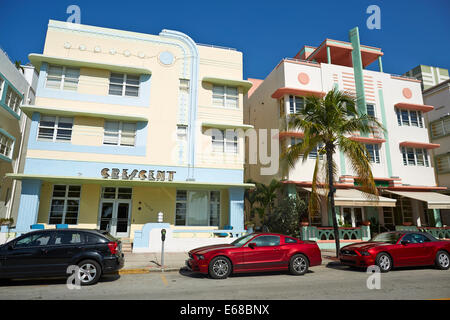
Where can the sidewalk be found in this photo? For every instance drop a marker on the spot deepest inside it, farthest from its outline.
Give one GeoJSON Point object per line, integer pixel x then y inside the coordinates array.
{"type": "Point", "coordinates": [138, 263]}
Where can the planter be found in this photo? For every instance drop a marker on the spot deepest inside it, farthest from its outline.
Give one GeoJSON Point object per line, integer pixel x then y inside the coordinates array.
{"type": "Point", "coordinates": [407, 224]}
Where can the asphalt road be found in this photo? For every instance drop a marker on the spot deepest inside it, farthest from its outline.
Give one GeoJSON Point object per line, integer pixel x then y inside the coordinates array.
{"type": "Point", "coordinates": [332, 281]}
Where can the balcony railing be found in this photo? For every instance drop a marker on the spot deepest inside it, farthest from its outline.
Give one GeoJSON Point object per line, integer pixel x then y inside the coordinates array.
{"type": "Point", "coordinates": [327, 233]}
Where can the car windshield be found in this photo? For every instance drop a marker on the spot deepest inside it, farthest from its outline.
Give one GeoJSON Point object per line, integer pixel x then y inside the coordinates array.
{"type": "Point", "coordinates": [242, 240]}
{"type": "Point", "coordinates": [387, 237]}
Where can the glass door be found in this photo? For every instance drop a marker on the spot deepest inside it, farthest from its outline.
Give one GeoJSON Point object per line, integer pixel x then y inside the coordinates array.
{"type": "Point", "coordinates": [106, 215]}
{"type": "Point", "coordinates": [122, 219]}
{"type": "Point", "coordinates": [115, 217]}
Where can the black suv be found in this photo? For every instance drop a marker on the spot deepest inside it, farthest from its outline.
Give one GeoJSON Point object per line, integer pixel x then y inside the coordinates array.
{"type": "Point", "coordinates": [50, 253]}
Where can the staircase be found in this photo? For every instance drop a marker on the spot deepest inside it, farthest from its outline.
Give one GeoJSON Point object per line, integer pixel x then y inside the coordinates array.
{"type": "Point", "coordinates": [127, 245]}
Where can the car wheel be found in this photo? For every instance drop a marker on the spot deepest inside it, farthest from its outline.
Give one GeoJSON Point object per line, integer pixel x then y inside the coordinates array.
{"type": "Point", "coordinates": [219, 268]}
{"type": "Point", "coordinates": [89, 272]}
{"type": "Point", "coordinates": [298, 265]}
{"type": "Point", "coordinates": [442, 260]}
{"type": "Point", "coordinates": [384, 262]}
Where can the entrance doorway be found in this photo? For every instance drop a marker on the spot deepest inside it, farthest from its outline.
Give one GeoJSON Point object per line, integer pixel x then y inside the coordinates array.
{"type": "Point", "coordinates": [115, 211]}
{"type": "Point", "coordinates": [352, 216]}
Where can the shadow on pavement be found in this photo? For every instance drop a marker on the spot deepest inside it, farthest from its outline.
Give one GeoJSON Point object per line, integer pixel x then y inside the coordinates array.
{"type": "Point", "coordinates": [49, 281]}
{"type": "Point", "coordinates": [187, 273]}
{"type": "Point", "coordinates": [339, 266]}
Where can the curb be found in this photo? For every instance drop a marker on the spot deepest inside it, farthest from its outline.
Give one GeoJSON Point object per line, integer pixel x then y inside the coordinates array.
{"type": "Point", "coordinates": [146, 270]}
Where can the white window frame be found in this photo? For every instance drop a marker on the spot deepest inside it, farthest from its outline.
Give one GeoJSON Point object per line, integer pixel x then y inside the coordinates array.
{"type": "Point", "coordinates": [311, 156]}
{"type": "Point", "coordinates": [9, 145]}
{"type": "Point", "coordinates": [119, 138]}
{"type": "Point", "coordinates": [65, 198]}
{"type": "Point", "coordinates": [225, 141]}
{"type": "Point", "coordinates": [63, 77]}
{"type": "Point", "coordinates": [55, 129]}
{"type": "Point", "coordinates": [400, 122]}
{"type": "Point", "coordinates": [226, 97]}
{"type": "Point", "coordinates": [375, 157]}
{"type": "Point", "coordinates": [293, 104]}
{"type": "Point", "coordinates": [13, 100]}
{"type": "Point", "coordinates": [186, 218]}
{"type": "Point", "coordinates": [124, 85]}
{"type": "Point", "coordinates": [423, 151]}
{"type": "Point", "coordinates": [374, 109]}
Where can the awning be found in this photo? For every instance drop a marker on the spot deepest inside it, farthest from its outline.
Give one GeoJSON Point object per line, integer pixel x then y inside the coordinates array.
{"type": "Point", "coordinates": [220, 125]}
{"type": "Point", "coordinates": [37, 60]}
{"type": "Point", "coordinates": [356, 198]}
{"type": "Point", "coordinates": [434, 200]}
{"type": "Point", "coordinates": [127, 183]}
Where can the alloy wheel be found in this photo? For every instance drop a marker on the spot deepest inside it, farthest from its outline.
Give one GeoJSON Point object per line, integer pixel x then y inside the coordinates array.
{"type": "Point", "coordinates": [385, 262]}
{"type": "Point", "coordinates": [443, 260]}
{"type": "Point", "coordinates": [220, 267]}
{"type": "Point", "coordinates": [299, 264]}
{"type": "Point", "coordinates": [87, 272]}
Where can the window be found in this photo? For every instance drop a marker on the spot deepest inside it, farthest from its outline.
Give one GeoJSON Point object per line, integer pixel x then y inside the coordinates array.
{"type": "Point", "coordinates": [181, 132]}
{"type": "Point", "coordinates": [6, 145]}
{"type": "Point", "coordinates": [1, 86]}
{"type": "Point", "coordinates": [370, 110]}
{"type": "Point", "coordinates": [54, 128]}
{"type": "Point", "coordinates": [65, 204]}
{"type": "Point", "coordinates": [62, 78]}
{"type": "Point", "coordinates": [440, 127]}
{"type": "Point", "coordinates": [68, 238]}
{"type": "Point", "coordinates": [197, 208]}
{"type": "Point", "coordinates": [443, 163]}
{"type": "Point", "coordinates": [415, 157]}
{"type": "Point", "coordinates": [409, 118]}
{"type": "Point", "coordinates": [266, 241]}
{"type": "Point", "coordinates": [373, 151]}
{"type": "Point", "coordinates": [313, 153]}
{"type": "Point", "coordinates": [124, 85]}
{"type": "Point", "coordinates": [296, 104]}
{"type": "Point", "coordinates": [13, 99]}
{"type": "Point", "coordinates": [290, 240]}
{"type": "Point", "coordinates": [34, 240]}
{"type": "Point", "coordinates": [119, 133]}
{"type": "Point", "coordinates": [406, 209]}
{"type": "Point", "coordinates": [224, 141]}
{"type": "Point", "coordinates": [116, 193]}
{"type": "Point", "coordinates": [415, 238]}
{"type": "Point", "coordinates": [224, 96]}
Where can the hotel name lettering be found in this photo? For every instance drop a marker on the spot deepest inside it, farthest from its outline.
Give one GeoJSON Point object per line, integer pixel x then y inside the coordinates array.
{"type": "Point", "coordinates": [150, 175]}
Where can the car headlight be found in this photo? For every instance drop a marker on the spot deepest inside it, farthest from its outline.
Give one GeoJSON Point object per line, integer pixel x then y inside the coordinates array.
{"type": "Point", "coordinates": [364, 253]}
{"type": "Point", "coordinates": [200, 257]}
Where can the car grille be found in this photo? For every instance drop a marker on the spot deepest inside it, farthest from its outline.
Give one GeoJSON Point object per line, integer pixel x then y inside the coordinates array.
{"type": "Point", "coordinates": [348, 261]}
{"type": "Point", "coordinates": [348, 252]}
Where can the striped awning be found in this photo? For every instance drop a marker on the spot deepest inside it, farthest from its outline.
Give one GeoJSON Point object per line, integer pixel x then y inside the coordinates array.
{"type": "Point", "coordinates": [356, 198]}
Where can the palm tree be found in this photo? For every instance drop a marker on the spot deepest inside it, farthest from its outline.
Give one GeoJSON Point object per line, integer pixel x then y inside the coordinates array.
{"type": "Point", "coordinates": [18, 65]}
{"type": "Point", "coordinates": [265, 196]}
{"type": "Point", "coordinates": [327, 124]}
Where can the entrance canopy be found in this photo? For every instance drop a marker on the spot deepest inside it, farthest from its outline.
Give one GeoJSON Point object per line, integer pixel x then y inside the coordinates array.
{"type": "Point", "coordinates": [356, 198]}
{"type": "Point", "coordinates": [434, 200]}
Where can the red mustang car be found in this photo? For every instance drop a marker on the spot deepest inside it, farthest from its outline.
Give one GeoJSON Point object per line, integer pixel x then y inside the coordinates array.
{"type": "Point", "coordinates": [255, 252]}
{"type": "Point", "coordinates": [398, 249]}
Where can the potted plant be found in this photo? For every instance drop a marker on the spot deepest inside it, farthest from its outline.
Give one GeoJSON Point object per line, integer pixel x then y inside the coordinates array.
{"type": "Point", "coordinates": [365, 223]}
{"type": "Point", "coordinates": [304, 222]}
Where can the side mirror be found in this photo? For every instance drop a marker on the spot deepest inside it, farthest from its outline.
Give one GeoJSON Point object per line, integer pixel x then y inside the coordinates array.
{"type": "Point", "coordinates": [252, 245]}
{"type": "Point", "coordinates": [10, 246]}
{"type": "Point", "coordinates": [405, 242]}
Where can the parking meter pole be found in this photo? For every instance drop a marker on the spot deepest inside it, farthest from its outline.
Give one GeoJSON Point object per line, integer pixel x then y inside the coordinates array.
{"type": "Point", "coordinates": [163, 238]}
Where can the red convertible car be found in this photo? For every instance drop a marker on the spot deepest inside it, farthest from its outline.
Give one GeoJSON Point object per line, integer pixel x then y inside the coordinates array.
{"type": "Point", "coordinates": [255, 252]}
{"type": "Point", "coordinates": [398, 249]}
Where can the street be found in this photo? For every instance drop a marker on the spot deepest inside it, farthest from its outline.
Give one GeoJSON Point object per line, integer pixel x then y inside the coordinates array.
{"type": "Point", "coordinates": [331, 281]}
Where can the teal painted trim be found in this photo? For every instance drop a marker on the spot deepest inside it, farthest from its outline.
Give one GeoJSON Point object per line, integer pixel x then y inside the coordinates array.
{"type": "Point", "coordinates": [437, 217]}
{"type": "Point", "coordinates": [291, 190]}
{"type": "Point", "coordinates": [358, 70]}
{"type": "Point", "coordinates": [236, 208]}
{"type": "Point", "coordinates": [328, 55]}
{"type": "Point", "coordinates": [5, 158]}
{"type": "Point", "coordinates": [29, 205]}
{"type": "Point", "coordinates": [7, 134]}
{"type": "Point", "coordinates": [3, 104]}
{"type": "Point", "coordinates": [142, 237]}
{"type": "Point", "coordinates": [342, 162]}
{"type": "Point", "coordinates": [380, 64]}
{"type": "Point", "coordinates": [386, 135]}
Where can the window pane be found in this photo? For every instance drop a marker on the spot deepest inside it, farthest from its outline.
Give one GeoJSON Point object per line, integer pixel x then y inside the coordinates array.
{"type": "Point", "coordinates": [411, 160]}
{"type": "Point", "coordinates": [198, 208]}
{"type": "Point", "coordinates": [133, 80]}
{"type": "Point", "coordinates": [419, 156]}
{"type": "Point", "coordinates": [371, 110]}
{"type": "Point", "coordinates": [232, 103]}
{"type": "Point", "coordinates": [124, 193]}
{"type": "Point", "coordinates": [59, 191]}
{"type": "Point", "coordinates": [405, 118]}
{"type": "Point", "coordinates": [413, 115]}
{"type": "Point", "coordinates": [74, 191]}
{"type": "Point", "coordinates": [108, 193]}
{"type": "Point", "coordinates": [132, 91]}
{"type": "Point", "coordinates": [116, 78]}
{"type": "Point", "coordinates": [46, 134]}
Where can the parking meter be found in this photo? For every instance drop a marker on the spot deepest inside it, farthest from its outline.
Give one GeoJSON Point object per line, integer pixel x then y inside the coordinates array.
{"type": "Point", "coordinates": [163, 238]}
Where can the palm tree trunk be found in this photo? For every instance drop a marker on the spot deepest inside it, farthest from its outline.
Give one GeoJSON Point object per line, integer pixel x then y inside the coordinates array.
{"type": "Point", "coordinates": [331, 198]}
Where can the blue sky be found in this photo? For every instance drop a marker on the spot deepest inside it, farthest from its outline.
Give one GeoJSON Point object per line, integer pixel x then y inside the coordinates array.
{"type": "Point", "coordinates": [412, 32]}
